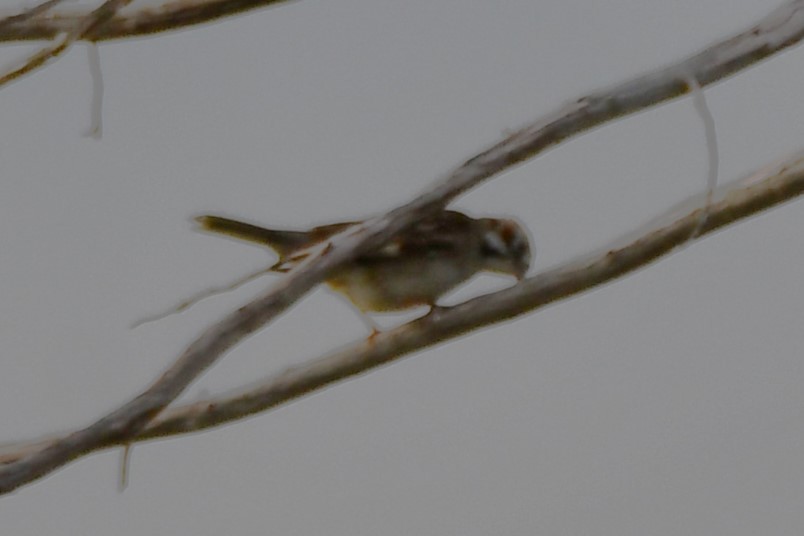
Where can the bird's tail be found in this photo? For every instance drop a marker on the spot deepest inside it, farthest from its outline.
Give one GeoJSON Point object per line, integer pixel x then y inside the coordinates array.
{"type": "Point", "coordinates": [282, 242]}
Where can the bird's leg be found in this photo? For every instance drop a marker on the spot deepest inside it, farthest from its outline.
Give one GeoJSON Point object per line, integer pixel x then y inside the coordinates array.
{"type": "Point", "coordinates": [369, 322]}
{"type": "Point", "coordinates": [436, 310]}
{"type": "Point", "coordinates": [364, 317]}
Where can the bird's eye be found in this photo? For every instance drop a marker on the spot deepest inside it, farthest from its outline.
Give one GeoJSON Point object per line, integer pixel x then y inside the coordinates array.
{"type": "Point", "coordinates": [493, 245]}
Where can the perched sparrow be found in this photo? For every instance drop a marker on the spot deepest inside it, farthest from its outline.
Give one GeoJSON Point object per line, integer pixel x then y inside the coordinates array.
{"type": "Point", "coordinates": [415, 268]}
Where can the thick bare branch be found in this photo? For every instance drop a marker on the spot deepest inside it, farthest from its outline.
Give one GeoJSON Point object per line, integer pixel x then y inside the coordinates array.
{"type": "Point", "coordinates": [783, 28]}
{"type": "Point", "coordinates": [170, 16]}
{"type": "Point", "coordinates": [25, 16]}
{"type": "Point", "coordinates": [761, 191]}
{"type": "Point", "coordinates": [79, 30]}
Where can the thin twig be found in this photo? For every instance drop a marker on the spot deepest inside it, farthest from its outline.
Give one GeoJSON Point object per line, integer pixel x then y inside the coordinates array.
{"type": "Point", "coordinates": [204, 294]}
{"type": "Point", "coordinates": [712, 151]}
{"type": "Point", "coordinates": [125, 464]}
{"type": "Point", "coordinates": [95, 71]}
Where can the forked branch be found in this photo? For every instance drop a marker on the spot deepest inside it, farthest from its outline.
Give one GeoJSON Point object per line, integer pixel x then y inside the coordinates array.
{"type": "Point", "coordinates": [782, 28]}
{"type": "Point", "coordinates": [765, 189]}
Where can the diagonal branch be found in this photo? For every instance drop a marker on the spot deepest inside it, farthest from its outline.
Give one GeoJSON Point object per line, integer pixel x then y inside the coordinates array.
{"type": "Point", "coordinates": [148, 20]}
{"type": "Point", "coordinates": [763, 190]}
{"type": "Point", "coordinates": [26, 16]}
{"type": "Point", "coordinates": [80, 29]}
{"type": "Point", "coordinates": [782, 28]}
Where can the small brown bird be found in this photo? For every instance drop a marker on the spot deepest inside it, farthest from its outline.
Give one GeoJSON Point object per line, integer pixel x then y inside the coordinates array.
{"type": "Point", "coordinates": [416, 267]}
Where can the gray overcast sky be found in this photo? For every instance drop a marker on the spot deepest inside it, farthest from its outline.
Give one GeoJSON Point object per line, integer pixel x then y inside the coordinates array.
{"type": "Point", "coordinates": [667, 403]}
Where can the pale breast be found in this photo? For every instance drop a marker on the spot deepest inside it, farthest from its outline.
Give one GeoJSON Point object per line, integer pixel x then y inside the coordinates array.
{"type": "Point", "coordinates": [401, 284]}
